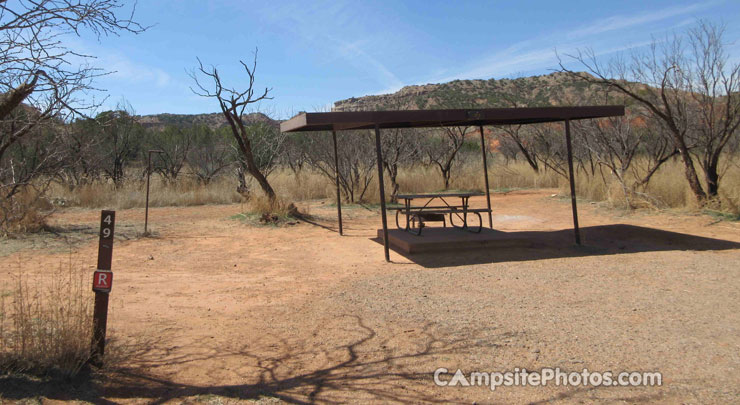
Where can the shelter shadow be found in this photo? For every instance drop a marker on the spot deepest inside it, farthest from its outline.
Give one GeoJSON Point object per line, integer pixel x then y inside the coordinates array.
{"type": "Point", "coordinates": [597, 240]}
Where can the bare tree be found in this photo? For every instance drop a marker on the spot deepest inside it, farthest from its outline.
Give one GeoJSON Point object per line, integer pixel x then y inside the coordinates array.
{"type": "Point", "coordinates": [38, 153]}
{"type": "Point", "coordinates": [401, 147]}
{"type": "Point", "coordinates": [210, 153]}
{"type": "Point", "coordinates": [268, 143]}
{"type": "Point", "coordinates": [356, 160]}
{"type": "Point", "coordinates": [36, 65]}
{"type": "Point", "coordinates": [233, 104]}
{"type": "Point", "coordinates": [294, 155]}
{"type": "Point", "coordinates": [520, 137]}
{"type": "Point", "coordinates": [81, 143]}
{"type": "Point", "coordinates": [123, 137]}
{"type": "Point", "coordinates": [691, 89]}
{"type": "Point", "coordinates": [442, 148]}
{"type": "Point", "coordinates": [175, 144]}
{"type": "Point", "coordinates": [615, 143]}
{"type": "Point", "coordinates": [40, 77]}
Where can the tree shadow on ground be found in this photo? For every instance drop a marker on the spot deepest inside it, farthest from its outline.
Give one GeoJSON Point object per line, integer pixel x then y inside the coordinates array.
{"type": "Point", "coordinates": [596, 241]}
{"type": "Point", "coordinates": [367, 367]}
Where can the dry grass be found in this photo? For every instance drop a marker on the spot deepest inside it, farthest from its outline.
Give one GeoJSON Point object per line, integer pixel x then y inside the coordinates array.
{"type": "Point", "coordinates": [24, 213]}
{"type": "Point", "coordinates": [262, 205]}
{"type": "Point", "coordinates": [46, 323]}
{"type": "Point", "coordinates": [132, 194]}
{"type": "Point", "coordinates": [667, 189]}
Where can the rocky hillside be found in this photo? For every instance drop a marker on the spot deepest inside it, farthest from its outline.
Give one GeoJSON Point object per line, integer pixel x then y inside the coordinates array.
{"type": "Point", "coordinates": [546, 90]}
{"type": "Point", "coordinates": [213, 120]}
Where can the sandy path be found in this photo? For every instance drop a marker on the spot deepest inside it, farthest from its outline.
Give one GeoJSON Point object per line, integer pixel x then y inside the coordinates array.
{"type": "Point", "coordinates": [215, 306]}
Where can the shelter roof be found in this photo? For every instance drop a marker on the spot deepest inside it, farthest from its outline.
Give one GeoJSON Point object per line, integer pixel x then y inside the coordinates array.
{"type": "Point", "coordinates": [344, 120]}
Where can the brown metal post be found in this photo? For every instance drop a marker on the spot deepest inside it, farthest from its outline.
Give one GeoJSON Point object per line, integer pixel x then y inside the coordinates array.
{"type": "Point", "coordinates": [381, 184]}
{"type": "Point", "coordinates": [571, 180]}
{"type": "Point", "coordinates": [485, 172]}
{"type": "Point", "coordinates": [336, 176]}
{"type": "Point", "coordinates": [100, 308]}
{"type": "Point", "coordinates": [100, 324]}
{"type": "Point", "coordinates": [148, 175]}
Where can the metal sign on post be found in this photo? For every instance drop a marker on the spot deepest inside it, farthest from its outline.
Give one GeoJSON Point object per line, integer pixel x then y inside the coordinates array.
{"type": "Point", "coordinates": [102, 284]}
{"type": "Point", "coordinates": [102, 281]}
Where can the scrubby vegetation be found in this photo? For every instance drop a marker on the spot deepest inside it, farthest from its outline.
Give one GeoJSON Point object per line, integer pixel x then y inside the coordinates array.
{"type": "Point", "coordinates": [46, 323]}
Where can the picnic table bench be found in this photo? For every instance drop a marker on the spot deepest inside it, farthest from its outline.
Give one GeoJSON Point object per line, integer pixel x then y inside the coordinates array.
{"type": "Point", "coordinates": [417, 215]}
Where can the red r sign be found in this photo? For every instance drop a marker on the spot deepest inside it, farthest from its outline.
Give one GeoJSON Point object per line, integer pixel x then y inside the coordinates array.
{"type": "Point", "coordinates": [102, 280]}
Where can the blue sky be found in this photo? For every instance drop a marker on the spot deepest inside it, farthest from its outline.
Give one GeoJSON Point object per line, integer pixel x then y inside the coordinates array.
{"type": "Point", "coordinates": [312, 53]}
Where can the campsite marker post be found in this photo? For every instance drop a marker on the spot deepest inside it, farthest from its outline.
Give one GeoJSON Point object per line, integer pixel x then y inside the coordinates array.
{"type": "Point", "coordinates": [102, 284]}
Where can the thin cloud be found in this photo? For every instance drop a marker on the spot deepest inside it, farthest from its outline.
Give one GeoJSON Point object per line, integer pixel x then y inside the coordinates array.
{"type": "Point", "coordinates": [357, 56]}
{"type": "Point", "coordinates": [527, 56]}
{"type": "Point", "coordinates": [119, 66]}
{"type": "Point", "coordinates": [620, 22]}
{"type": "Point", "coordinates": [126, 69]}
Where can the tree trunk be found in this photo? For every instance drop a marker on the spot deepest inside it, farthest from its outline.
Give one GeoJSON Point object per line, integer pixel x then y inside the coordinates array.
{"type": "Point", "coordinates": [712, 177]}
{"type": "Point", "coordinates": [446, 175]}
{"type": "Point", "coordinates": [394, 187]}
{"type": "Point", "coordinates": [243, 140]}
{"type": "Point", "coordinates": [532, 162]}
{"type": "Point", "coordinates": [692, 177]}
{"type": "Point", "coordinates": [262, 180]}
{"type": "Point", "coordinates": [393, 175]}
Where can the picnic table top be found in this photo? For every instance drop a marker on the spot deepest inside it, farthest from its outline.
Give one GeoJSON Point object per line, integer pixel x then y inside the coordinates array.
{"type": "Point", "coordinates": [435, 195]}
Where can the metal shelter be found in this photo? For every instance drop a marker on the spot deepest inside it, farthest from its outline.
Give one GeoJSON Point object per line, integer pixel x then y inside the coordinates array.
{"type": "Point", "coordinates": [377, 120]}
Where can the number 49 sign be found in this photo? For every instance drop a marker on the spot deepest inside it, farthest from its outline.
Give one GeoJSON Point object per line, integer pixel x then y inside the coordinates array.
{"type": "Point", "coordinates": [103, 277]}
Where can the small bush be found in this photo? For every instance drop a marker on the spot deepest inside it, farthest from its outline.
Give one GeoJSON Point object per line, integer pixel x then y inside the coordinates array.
{"type": "Point", "coordinates": [24, 212]}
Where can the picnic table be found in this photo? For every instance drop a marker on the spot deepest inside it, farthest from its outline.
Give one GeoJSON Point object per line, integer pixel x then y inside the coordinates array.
{"type": "Point", "coordinates": [418, 215]}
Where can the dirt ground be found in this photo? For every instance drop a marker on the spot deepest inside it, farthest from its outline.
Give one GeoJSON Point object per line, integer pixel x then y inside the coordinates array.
{"type": "Point", "coordinates": [216, 310]}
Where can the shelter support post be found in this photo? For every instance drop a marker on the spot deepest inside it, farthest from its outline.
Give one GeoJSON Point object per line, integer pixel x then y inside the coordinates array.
{"type": "Point", "coordinates": [381, 185]}
{"type": "Point", "coordinates": [336, 177]}
{"type": "Point", "coordinates": [485, 173]}
{"type": "Point", "coordinates": [572, 181]}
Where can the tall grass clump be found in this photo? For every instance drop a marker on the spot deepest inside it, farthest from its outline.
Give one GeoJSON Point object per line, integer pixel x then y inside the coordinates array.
{"type": "Point", "coordinates": [46, 323]}
{"type": "Point", "coordinates": [261, 205]}
{"type": "Point", "coordinates": [730, 191]}
{"type": "Point", "coordinates": [305, 185]}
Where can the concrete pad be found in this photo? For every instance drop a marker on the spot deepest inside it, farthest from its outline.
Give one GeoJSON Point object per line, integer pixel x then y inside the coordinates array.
{"type": "Point", "coordinates": [446, 239]}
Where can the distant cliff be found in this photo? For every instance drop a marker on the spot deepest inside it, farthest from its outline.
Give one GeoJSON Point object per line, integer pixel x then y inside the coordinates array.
{"type": "Point", "coordinates": [213, 120]}
{"type": "Point", "coordinates": [546, 90]}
